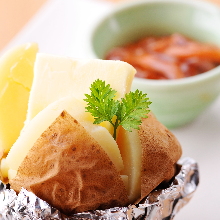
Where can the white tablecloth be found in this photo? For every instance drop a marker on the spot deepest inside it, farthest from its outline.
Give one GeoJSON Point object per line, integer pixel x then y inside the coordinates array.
{"type": "Point", "coordinates": [62, 26]}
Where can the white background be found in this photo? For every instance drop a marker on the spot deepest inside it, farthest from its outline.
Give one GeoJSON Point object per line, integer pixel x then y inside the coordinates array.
{"type": "Point", "coordinates": [62, 27]}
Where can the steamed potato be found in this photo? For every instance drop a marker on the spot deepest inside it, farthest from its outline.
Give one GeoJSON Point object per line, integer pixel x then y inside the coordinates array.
{"type": "Point", "coordinates": [67, 168]}
{"type": "Point", "coordinates": [70, 170]}
{"type": "Point", "coordinates": [77, 166]}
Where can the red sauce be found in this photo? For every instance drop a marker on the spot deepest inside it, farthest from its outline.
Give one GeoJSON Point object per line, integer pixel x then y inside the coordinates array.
{"type": "Point", "coordinates": [168, 57]}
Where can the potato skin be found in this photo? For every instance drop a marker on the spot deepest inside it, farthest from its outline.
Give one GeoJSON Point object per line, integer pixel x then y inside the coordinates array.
{"type": "Point", "coordinates": [160, 153]}
{"type": "Point", "coordinates": [67, 168]}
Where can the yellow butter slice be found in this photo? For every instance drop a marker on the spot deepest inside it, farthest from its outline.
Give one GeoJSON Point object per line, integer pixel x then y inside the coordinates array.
{"type": "Point", "coordinates": [56, 77]}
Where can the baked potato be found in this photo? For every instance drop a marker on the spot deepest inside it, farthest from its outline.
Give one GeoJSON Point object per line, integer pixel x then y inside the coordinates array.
{"type": "Point", "coordinates": [75, 165]}
{"type": "Point", "coordinates": [69, 169]}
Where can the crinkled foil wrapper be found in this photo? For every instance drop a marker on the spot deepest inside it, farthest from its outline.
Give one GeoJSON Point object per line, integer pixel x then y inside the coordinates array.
{"type": "Point", "coordinates": [160, 204]}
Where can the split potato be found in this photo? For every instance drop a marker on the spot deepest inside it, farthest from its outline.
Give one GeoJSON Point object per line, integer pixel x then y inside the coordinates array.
{"type": "Point", "coordinates": [77, 166]}
{"type": "Point", "coordinates": [67, 168]}
{"type": "Point", "coordinates": [70, 170]}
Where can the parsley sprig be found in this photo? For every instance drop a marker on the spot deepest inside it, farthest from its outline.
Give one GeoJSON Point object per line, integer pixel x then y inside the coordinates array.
{"type": "Point", "coordinates": [127, 112]}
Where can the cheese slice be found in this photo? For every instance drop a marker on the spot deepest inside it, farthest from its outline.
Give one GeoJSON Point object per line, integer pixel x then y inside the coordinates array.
{"type": "Point", "coordinates": [56, 77]}
{"type": "Point", "coordinates": [34, 129]}
{"type": "Point", "coordinates": [16, 75]}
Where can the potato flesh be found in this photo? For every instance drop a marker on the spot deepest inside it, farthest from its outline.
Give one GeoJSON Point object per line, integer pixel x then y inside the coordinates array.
{"type": "Point", "coordinates": [105, 139]}
{"type": "Point", "coordinates": [43, 120]}
{"type": "Point", "coordinates": [16, 75]}
{"type": "Point", "coordinates": [131, 151]}
{"type": "Point", "coordinates": [57, 77]}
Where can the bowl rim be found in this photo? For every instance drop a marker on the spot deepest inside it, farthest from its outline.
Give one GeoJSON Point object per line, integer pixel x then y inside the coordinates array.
{"type": "Point", "coordinates": [198, 3]}
{"type": "Point", "coordinates": [123, 6]}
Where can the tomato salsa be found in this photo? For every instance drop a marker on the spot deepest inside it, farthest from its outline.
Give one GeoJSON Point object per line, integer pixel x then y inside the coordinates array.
{"type": "Point", "coordinates": [168, 57]}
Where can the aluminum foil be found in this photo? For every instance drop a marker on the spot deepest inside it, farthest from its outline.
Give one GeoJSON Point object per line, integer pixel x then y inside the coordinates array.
{"type": "Point", "coordinates": [160, 204]}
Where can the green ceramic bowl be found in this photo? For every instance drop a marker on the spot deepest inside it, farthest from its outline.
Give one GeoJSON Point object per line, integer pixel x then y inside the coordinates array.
{"type": "Point", "coordinates": [174, 102]}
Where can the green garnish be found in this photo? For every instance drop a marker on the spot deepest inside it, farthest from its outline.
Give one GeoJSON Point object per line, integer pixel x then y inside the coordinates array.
{"type": "Point", "coordinates": [127, 112]}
